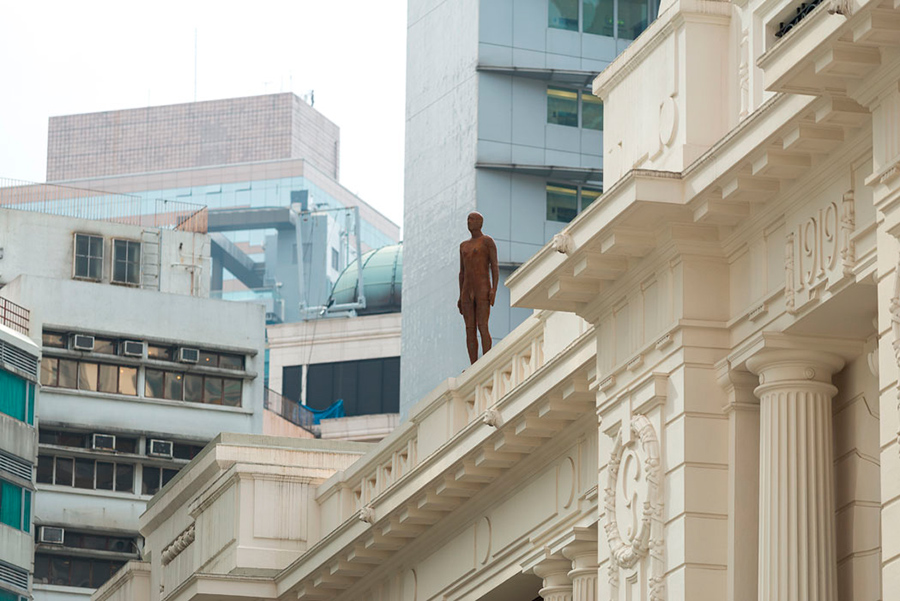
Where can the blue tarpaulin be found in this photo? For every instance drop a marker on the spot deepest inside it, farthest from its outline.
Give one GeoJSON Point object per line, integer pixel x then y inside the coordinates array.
{"type": "Point", "coordinates": [336, 409]}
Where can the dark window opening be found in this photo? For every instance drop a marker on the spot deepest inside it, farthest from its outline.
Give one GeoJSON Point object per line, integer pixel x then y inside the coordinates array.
{"type": "Point", "coordinates": [367, 387]}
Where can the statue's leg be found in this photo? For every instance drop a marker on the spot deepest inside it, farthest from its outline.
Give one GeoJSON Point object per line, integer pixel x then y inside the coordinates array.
{"type": "Point", "coordinates": [468, 312]}
{"type": "Point", "coordinates": [482, 318]}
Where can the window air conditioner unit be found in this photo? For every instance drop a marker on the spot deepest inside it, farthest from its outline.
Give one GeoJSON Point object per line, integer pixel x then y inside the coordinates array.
{"type": "Point", "coordinates": [52, 535]}
{"type": "Point", "coordinates": [160, 448]}
{"type": "Point", "coordinates": [104, 442]}
{"type": "Point", "coordinates": [81, 342]}
{"type": "Point", "coordinates": [133, 348]}
{"type": "Point", "coordinates": [188, 355]}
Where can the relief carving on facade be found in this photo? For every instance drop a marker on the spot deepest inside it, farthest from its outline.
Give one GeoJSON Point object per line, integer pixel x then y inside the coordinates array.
{"type": "Point", "coordinates": [634, 472]}
{"type": "Point", "coordinates": [895, 323]}
{"type": "Point", "coordinates": [813, 248]}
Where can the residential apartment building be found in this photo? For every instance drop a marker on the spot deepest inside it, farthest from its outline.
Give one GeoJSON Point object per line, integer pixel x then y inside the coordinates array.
{"type": "Point", "coordinates": [19, 361]}
{"type": "Point", "coordinates": [282, 226]}
{"type": "Point", "coordinates": [704, 405]}
{"type": "Point", "coordinates": [139, 368]}
{"type": "Point", "coordinates": [500, 119]}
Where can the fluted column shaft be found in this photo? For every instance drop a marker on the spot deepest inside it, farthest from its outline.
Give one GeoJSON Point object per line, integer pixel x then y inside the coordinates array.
{"type": "Point", "coordinates": [796, 488]}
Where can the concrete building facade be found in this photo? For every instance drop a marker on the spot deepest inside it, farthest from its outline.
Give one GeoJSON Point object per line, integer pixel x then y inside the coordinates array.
{"type": "Point", "coordinates": [283, 228]}
{"type": "Point", "coordinates": [499, 120]}
{"type": "Point", "coordinates": [137, 375]}
{"type": "Point", "coordinates": [19, 392]}
{"type": "Point", "coordinates": [704, 404]}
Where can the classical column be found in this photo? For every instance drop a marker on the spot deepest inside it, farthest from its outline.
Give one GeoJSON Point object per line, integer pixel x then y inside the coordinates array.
{"type": "Point", "coordinates": [557, 586]}
{"type": "Point", "coordinates": [584, 570]}
{"type": "Point", "coordinates": [796, 489]}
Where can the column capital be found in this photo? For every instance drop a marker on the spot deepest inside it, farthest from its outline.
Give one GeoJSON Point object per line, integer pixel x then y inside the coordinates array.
{"type": "Point", "coordinates": [555, 573]}
{"type": "Point", "coordinates": [803, 368]}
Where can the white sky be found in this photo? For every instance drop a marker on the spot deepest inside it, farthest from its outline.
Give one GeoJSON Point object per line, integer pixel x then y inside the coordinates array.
{"type": "Point", "coordinates": [64, 57]}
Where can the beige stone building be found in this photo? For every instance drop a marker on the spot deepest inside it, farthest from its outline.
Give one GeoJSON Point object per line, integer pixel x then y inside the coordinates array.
{"type": "Point", "coordinates": [705, 402]}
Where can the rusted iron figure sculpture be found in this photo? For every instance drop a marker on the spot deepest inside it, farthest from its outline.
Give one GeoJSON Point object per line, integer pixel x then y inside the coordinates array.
{"type": "Point", "coordinates": [479, 275]}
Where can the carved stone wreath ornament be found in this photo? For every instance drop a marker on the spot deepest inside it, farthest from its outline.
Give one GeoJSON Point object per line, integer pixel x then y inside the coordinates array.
{"type": "Point", "coordinates": [644, 537]}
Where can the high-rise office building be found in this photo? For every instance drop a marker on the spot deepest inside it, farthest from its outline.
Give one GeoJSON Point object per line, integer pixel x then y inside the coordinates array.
{"type": "Point", "coordinates": [282, 226]}
{"type": "Point", "coordinates": [499, 120]}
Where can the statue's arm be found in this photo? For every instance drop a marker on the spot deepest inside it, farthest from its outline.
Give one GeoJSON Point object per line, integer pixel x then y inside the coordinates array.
{"type": "Point", "coordinates": [495, 269]}
{"type": "Point", "coordinates": [462, 270]}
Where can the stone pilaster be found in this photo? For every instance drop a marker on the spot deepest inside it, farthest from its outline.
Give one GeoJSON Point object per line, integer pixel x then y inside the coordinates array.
{"type": "Point", "coordinates": [584, 570]}
{"type": "Point", "coordinates": [796, 488]}
{"type": "Point", "coordinates": [557, 586]}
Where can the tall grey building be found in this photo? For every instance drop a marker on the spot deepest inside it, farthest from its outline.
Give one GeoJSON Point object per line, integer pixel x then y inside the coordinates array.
{"type": "Point", "coordinates": [499, 119]}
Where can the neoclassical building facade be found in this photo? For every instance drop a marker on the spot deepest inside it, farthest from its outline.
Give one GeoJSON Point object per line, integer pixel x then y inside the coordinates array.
{"type": "Point", "coordinates": [703, 406]}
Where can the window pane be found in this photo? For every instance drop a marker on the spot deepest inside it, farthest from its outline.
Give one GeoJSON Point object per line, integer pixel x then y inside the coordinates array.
{"type": "Point", "coordinates": [133, 273]}
{"type": "Point", "coordinates": [562, 106]}
{"type": "Point", "coordinates": [591, 112]}
{"type": "Point", "coordinates": [108, 381]}
{"type": "Point", "coordinates": [68, 373]}
{"type": "Point", "coordinates": [84, 473]}
{"type": "Point", "coordinates": [94, 266]}
{"type": "Point", "coordinates": [81, 267]}
{"type": "Point", "coordinates": [49, 371]}
{"type": "Point", "coordinates": [193, 388]}
{"type": "Point", "coordinates": [588, 196]}
{"type": "Point", "coordinates": [153, 384]}
{"type": "Point", "coordinates": [126, 445]}
{"type": "Point", "coordinates": [128, 380]}
{"type": "Point", "coordinates": [124, 477]}
{"type": "Point", "coordinates": [563, 14]}
{"type": "Point", "coordinates": [73, 439]}
{"type": "Point", "coordinates": [59, 570]}
{"type": "Point", "coordinates": [134, 252]}
{"type": "Point", "coordinates": [163, 353]}
{"type": "Point", "coordinates": [119, 272]}
{"type": "Point", "coordinates": [82, 244]}
{"type": "Point", "coordinates": [87, 376]}
{"type": "Point", "coordinates": [45, 470]}
{"type": "Point", "coordinates": [598, 17]}
{"type": "Point", "coordinates": [210, 359]}
{"type": "Point", "coordinates": [231, 361]}
{"type": "Point", "coordinates": [64, 469]}
{"type": "Point", "coordinates": [212, 390]}
{"type": "Point", "coordinates": [151, 480]}
{"type": "Point", "coordinates": [41, 569]}
{"type": "Point", "coordinates": [53, 339]}
{"type": "Point", "coordinates": [633, 18]}
{"type": "Point", "coordinates": [105, 345]}
{"type": "Point", "coordinates": [168, 475]}
{"type": "Point", "coordinates": [96, 246]}
{"type": "Point", "coordinates": [231, 393]}
{"type": "Point", "coordinates": [104, 475]}
{"type": "Point", "coordinates": [562, 203]}
{"type": "Point", "coordinates": [81, 572]}
{"type": "Point", "coordinates": [174, 384]}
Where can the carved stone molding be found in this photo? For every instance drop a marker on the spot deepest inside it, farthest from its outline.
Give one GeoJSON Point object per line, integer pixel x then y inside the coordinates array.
{"type": "Point", "coordinates": [813, 248]}
{"type": "Point", "coordinates": [562, 243]}
{"type": "Point", "coordinates": [179, 544]}
{"type": "Point", "coordinates": [635, 468]}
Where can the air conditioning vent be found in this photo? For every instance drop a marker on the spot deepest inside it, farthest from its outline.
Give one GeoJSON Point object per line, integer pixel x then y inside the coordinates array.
{"type": "Point", "coordinates": [82, 342]}
{"type": "Point", "coordinates": [104, 442]}
{"type": "Point", "coordinates": [188, 355]}
{"type": "Point", "coordinates": [160, 448]}
{"type": "Point", "coordinates": [52, 535]}
{"type": "Point", "coordinates": [133, 348]}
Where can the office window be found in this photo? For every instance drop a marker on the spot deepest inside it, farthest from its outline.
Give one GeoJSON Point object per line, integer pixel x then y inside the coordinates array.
{"type": "Point", "coordinates": [15, 506]}
{"type": "Point", "coordinates": [126, 262]}
{"type": "Point", "coordinates": [563, 14]}
{"type": "Point", "coordinates": [88, 256]}
{"type": "Point", "coordinates": [562, 106]}
{"type": "Point", "coordinates": [99, 542]}
{"type": "Point", "coordinates": [598, 17]}
{"type": "Point", "coordinates": [367, 387]}
{"type": "Point", "coordinates": [634, 17]}
{"type": "Point", "coordinates": [562, 203]}
{"type": "Point", "coordinates": [565, 202]}
{"type": "Point", "coordinates": [54, 339]}
{"type": "Point", "coordinates": [81, 440]}
{"type": "Point", "coordinates": [194, 388]}
{"type": "Point", "coordinates": [155, 478]}
{"type": "Point", "coordinates": [591, 112]}
{"type": "Point", "coordinates": [89, 474]}
{"type": "Point", "coordinates": [160, 353]}
{"type": "Point", "coordinates": [83, 572]}
{"type": "Point", "coordinates": [86, 375]}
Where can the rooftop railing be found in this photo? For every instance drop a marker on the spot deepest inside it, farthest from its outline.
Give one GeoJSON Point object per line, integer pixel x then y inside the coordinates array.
{"type": "Point", "coordinates": [14, 316]}
{"type": "Point", "coordinates": [290, 410]}
{"type": "Point", "coordinates": [68, 201]}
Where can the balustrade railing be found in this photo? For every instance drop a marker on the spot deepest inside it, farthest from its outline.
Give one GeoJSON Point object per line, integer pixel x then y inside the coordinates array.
{"type": "Point", "coordinates": [14, 316]}
{"type": "Point", "coordinates": [290, 410]}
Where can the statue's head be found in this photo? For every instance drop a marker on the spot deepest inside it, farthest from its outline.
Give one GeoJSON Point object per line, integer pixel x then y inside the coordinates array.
{"type": "Point", "coordinates": [474, 221]}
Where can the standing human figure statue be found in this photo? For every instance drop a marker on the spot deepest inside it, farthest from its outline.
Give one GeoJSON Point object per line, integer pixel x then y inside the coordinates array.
{"type": "Point", "coordinates": [479, 275]}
